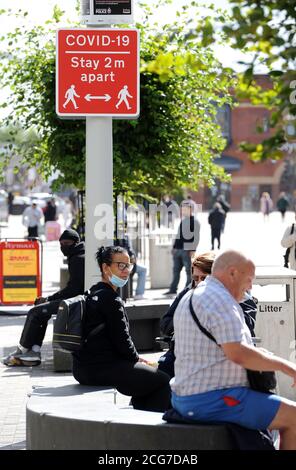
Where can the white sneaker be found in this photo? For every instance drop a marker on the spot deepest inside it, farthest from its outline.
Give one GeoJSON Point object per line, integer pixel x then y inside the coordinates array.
{"type": "Point", "coordinates": [31, 356]}
{"type": "Point", "coordinates": [18, 358]}
{"type": "Point", "coordinates": [13, 359]}
{"type": "Point", "coordinates": [139, 297]}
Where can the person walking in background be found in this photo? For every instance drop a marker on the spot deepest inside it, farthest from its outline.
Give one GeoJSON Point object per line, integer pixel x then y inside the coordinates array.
{"type": "Point", "coordinates": [169, 211]}
{"type": "Point", "coordinates": [10, 199]}
{"type": "Point", "coordinates": [185, 245]}
{"type": "Point", "coordinates": [52, 226]}
{"type": "Point", "coordinates": [50, 211]}
{"type": "Point", "coordinates": [266, 204]}
{"type": "Point", "coordinates": [293, 201]}
{"type": "Point", "coordinates": [282, 204]}
{"type": "Point", "coordinates": [289, 242]}
{"type": "Point", "coordinates": [216, 220]}
{"type": "Point", "coordinates": [189, 200]}
{"type": "Point", "coordinates": [67, 213]}
{"type": "Point", "coordinates": [31, 219]}
{"type": "Point", "coordinates": [225, 206]}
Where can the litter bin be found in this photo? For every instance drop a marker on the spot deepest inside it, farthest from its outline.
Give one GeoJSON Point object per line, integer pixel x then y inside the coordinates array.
{"type": "Point", "coordinates": [160, 254]}
{"type": "Point", "coordinates": [275, 323]}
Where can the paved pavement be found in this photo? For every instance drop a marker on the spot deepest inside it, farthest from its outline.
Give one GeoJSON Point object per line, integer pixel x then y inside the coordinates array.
{"type": "Point", "coordinates": [245, 231]}
{"type": "Point", "coordinates": [16, 383]}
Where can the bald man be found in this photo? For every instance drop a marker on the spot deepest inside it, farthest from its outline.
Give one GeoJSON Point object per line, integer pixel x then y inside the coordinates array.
{"type": "Point", "coordinates": [210, 381]}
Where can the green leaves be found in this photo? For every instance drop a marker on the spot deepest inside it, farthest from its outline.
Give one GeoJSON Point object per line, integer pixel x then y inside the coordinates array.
{"type": "Point", "coordinates": [175, 139]}
{"type": "Point", "coordinates": [267, 28]}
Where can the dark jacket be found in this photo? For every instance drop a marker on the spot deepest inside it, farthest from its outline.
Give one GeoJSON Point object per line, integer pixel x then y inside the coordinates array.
{"type": "Point", "coordinates": [113, 342]}
{"type": "Point", "coordinates": [216, 219]}
{"type": "Point", "coordinates": [188, 234]}
{"type": "Point", "coordinates": [282, 204]}
{"type": "Point", "coordinates": [248, 306]}
{"type": "Point", "coordinates": [167, 321]}
{"type": "Point", "coordinates": [225, 205]}
{"type": "Point", "coordinates": [50, 213]}
{"type": "Point", "coordinates": [75, 285]}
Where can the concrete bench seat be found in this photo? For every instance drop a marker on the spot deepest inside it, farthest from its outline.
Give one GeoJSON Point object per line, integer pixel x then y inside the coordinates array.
{"type": "Point", "coordinates": [71, 416]}
{"type": "Point", "coordinates": [144, 318]}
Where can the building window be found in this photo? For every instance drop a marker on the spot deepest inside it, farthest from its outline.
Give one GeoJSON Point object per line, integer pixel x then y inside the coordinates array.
{"type": "Point", "coordinates": [223, 120]}
{"type": "Point", "coordinates": [265, 124]}
{"type": "Point", "coordinates": [230, 164]}
{"type": "Point", "coordinates": [290, 129]}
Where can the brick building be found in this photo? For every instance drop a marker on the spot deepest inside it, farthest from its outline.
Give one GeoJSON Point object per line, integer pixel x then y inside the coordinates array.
{"type": "Point", "coordinates": [249, 179]}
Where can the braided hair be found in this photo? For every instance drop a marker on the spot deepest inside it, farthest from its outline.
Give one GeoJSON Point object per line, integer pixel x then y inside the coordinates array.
{"type": "Point", "coordinates": [105, 254]}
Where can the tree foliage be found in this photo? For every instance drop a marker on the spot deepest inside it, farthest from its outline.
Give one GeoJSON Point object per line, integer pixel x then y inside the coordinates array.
{"type": "Point", "coordinates": [175, 139]}
{"type": "Point", "coordinates": [265, 30]}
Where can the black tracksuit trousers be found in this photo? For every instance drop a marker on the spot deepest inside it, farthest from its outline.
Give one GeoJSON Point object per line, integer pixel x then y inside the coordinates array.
{"type": "Point", "coordinates": [148, 386]}
{"type": "Point", "coordinates": [36, 323]}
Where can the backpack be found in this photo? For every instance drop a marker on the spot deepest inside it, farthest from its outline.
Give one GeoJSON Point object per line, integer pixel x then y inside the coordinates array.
{"type": "Point", "coordinates": [69, 323]}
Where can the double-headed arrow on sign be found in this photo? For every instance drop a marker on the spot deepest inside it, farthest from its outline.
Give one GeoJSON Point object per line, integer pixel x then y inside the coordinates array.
{"type": "Point", "coordinates": [90, 97]}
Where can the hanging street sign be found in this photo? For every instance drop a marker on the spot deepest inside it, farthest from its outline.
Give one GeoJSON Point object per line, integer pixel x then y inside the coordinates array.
{"type": "Point", "coordinates": [97, 72]}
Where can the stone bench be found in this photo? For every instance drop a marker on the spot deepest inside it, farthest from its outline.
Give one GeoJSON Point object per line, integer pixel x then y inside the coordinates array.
{"type": "Point", "coordinates": [71, 416]}
{"type": "Point", "coordinates": [144, 318]}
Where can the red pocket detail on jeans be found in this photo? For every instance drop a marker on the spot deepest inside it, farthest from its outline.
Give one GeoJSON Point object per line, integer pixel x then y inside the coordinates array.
{"type": "Point", "coordinates": [230, 401]}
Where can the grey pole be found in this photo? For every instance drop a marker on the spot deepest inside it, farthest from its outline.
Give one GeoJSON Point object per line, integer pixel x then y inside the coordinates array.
{"type": "Point", "coordinates": [99, 222]}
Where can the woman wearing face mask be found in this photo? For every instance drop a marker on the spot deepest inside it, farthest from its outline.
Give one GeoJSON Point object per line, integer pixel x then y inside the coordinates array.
{"type": "Point", "coordinates": [110, 357]}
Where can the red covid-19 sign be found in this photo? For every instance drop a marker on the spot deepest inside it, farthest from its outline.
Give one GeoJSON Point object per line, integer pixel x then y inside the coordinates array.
{"type": "Point", "coordinates": [97, 72]}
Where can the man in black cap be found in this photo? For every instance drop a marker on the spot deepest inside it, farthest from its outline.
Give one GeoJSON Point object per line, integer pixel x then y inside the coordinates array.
{"type": "Point", "coordinates": [28, 350]}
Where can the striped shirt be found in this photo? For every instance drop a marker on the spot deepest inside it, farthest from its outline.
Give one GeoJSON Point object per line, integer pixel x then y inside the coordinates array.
{"type": "Point", "coordinates": [201, 365]}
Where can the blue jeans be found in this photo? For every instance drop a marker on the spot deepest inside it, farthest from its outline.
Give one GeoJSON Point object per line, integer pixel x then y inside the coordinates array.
{"type": "Point", "coordinates": [141, 272]}
{"type": "Point", "coordinates": [180, 258]}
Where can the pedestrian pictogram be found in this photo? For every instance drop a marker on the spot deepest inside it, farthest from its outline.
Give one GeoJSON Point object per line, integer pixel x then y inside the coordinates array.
{"type": "Point", "coordinates": [123, 95]}
{"type": "Point", "coordinates": [97, 72]}
{"type": "Point", "coordinates": [70, 96]}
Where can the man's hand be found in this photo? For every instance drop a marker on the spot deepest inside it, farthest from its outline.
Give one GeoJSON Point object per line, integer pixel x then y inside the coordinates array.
{"type": "Point", "coordinates": [141, 359]}
{"type": "Point", "coordinates": [40, 300]}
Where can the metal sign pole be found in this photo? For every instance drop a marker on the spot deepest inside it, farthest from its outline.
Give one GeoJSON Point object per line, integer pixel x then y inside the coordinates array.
{"type": "Point", "coordinates": [99, 219]}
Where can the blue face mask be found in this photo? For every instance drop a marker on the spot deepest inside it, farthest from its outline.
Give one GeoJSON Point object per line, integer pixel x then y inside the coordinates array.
{"type": "Point", "coordinates": [117, 281]}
